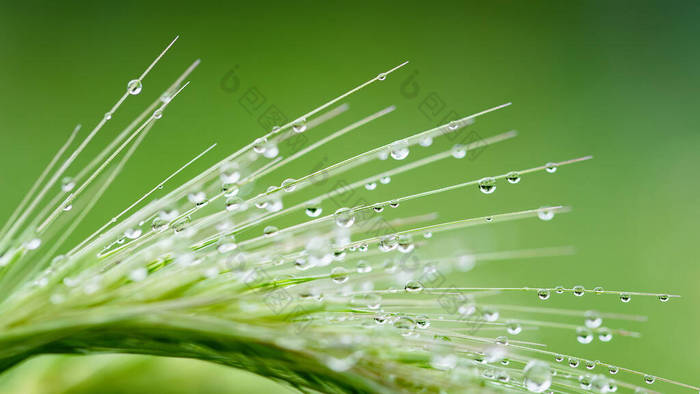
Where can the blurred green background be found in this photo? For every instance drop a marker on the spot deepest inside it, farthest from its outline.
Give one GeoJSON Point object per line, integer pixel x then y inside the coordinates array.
{"type": "Point", "coordinates": [615, 79]}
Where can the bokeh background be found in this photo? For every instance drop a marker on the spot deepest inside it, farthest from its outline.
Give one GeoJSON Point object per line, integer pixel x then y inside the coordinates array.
{"type": "Point", "coordinates": [615, 79]}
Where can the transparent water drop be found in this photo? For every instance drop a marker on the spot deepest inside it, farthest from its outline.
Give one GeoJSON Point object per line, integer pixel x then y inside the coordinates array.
{"type": "Point", "coordinates": [502, 340]}
{"type": "Point", "coordinates": [513, 177]}
{"type": "Point", "coordinates": [604, 334]}
{"type": "Point", "coordinates": [625, 297]}
{"type": "Point", "coordinates": [490, 314]}
{"type": "Point", "coordinates": [313, 211]}
{"type": "Point", "coordinates": [514, 328]}
{"type": "Point", "coordinates": [559, 289]}
{"type": "Point", "coordinates": [381, 76]}
{"type": "Point", "coordinates": [613, 370]}
{"type": "Point", "coordinates": [344, 217]}
{"type": "Point", "coordinates": [289, 185]}
{"type": "Point", "coordinates": [487, 185]}
{"type": "Point", "coordinates": [138, 274]}
{"type": "Point", "coordinates": [543, 294]}
{"type": "Point", "coordinates": [197, 198]}
{"type": "Point", "coordinates": [33, 244]}
{"type": "Point", "coordinates": [579, 291]}
{"type": "Point", "coordinates": [584, 335]}
{"type": "Point", "coordinates": [394, 204]}
{"type": "Point", "coordinates": [428, 235]}
{"type": "Point", "coordinates": [422, 322]}
{"type": "Point", "coordinates": [573, 362]}
{"type": "Point", "coordinates": [157, 114]}
{"type": "Point", "coordinates": [378, 208]}
{"type": "Point", "coordinates": [399, 150]}
{"type": "Point", "coordinates": [132, 233]}
{"type": "Point", "coordinates": [371, 185]}
{"type": "Point", "coordinates": [269, 231]}
{"type": "Point", "coordinates": [233, 203]}
{"type": "Point", "coordinates": [67, 184]}
{"type": "Point", "coordinates": [339, 275]}
{"type": "Point", "coordinates": [558, 358]}
{"type": "Point", "coordinates": [271, 150]}
{"type": "Point", "coordinates": [385, 180]}
{"type": "Point", "coordinates": [459, 151]}
{"type": "Point", "coordinates": [545, 214]}
{"type": "Point", "coordinates": [425, 141]}
{"type": "Point", "coordinates": [551, 167]}
{"type": "Point", "coordinates": [67, 207]}
{"type": "Point", "coordinates": [537, 376]}
{"type": "Point", "coordinates": [663, 297]}
{"type": "Point", "coordinates": [405, 245]}
{"type": "Point", "coordinates": [453, 125]}
{"type": "Point", "coordinates": [592, 319]}
{"type": "Point", "coordinates": [413, 286]}
{"type": "Point", "coordinates": [405, 325]}
{"type": "Point", "coordinates": [381, 318]}
{"type": "Point", "coordinates": [373, 301]}
{"type": "Point", "coordinates": [589, 364]}
{"type": "Point", "coordinates": [134, 87]}
{"type": "Point", "coordinates": [388, 243]}
{"type": "Point", "coordinates": [108, 115]}
{"type": "Point", "coordinates": [299, 126]}
{"type": "Point", "coordinates": [598, 290]}
{"type": "Point", "coordinates": [363, 267]}
{"type": "Point", "coordinates": [259, 145]}
{"type": "Point", "coordinates": [648, 379]}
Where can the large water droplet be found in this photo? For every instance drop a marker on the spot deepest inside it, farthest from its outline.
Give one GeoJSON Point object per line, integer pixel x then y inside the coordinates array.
{"type": "Point", "coordinates": [543, 294]}
{"type": "Point", "coordinates": [579, 291]}
{"type": "Point", "coordinates": [514, 328]}
{"type": "Point", "coordinates": [487, 185]}
{"type": "Point", "coordinates": [134, 86]}
{"type": "Point", "coordinates": [399, 150]}
{"type": "Point", "coordinates": [344, 217]}
{"type": "Point", "coordinates": [313, 211]}
{"type": "Point", "coordinates": [259, 145]}
{"type": "Point", "coordinates": [132, 233]}
{"type": "Point", "coordinates": [67, 184]}
{"type": "Point", "coordinates": [299, 126]}
{"type": "Point", "coordinates": [197, 198]}
{"type": "Point", "coordinates": [648, 379]}
{"type": "Point", "coordinates": [663, 297]}
{"type": "Point", "coordinates": [385, 180]}
{"type": "Point", "coordinates": [604, 334]}
{"type": "Point", "coordinates": [537, 377]}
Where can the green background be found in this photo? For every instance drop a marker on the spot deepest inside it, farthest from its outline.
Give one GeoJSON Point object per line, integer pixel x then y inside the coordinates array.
{"type": "Point", "coordinates": [615, 79]}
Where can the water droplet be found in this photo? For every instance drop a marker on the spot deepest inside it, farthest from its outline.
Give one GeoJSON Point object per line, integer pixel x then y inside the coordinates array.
{"type": "Point", "coordinates": [490, 314]}
{"type": "Point", "coordinates": [363, 267]}
{"type": "Point", "coordinates": [399, 150]}
{"type": "Point", "coordinates": [648, 379]}
{"type": "Point", "coordinates": [344, 217]}
{"type": "Point", "coordinates": [134, 87]}
{"type": "Point", "coordinates": [371, 185]}
{"type": "Point", "coordinates": [422, 322]}
{"type": "Point", "coordinates": [625, 297]}
{"type": "Point", "coordinates": [339, 275]}
{"type": "Point", "coordinates": [559, 289]}
{"type": "Point", "coordinates": [385, 180]}
{"type": "Point", "coordinates": [584, 335]}
{"type": "Point", "coordinates": [132, 233]}
{"type": "Point", "coordinates": [545, 214]}
{"type": "Point", "coordinates": [513, 177]}
{"type": "Point", "coordinates": [590, 364]}
{"type": "Point", "coordinates": [543, 294]}
{"type": "Point", "coordinates": [428, 235]}
{"type": "Point", "coordinates": [394, 204]}
{"type": "Point", "coordinates": [259, 145]}
{"type": "Point", "coordinates": [558, 358]}
{"type": "Point", "coordinates": [381, 76]}
{"type": "Point", "coordinates": [270, 231]}
{"type": "Point", "coordinates": [537, 377]}
{"type": "Point", "coordinates": [373, 301]}
{"type": "Point", "coordinates": [197, 198]}
{"type": "Point", "coordinates": [514, 328]}
{"type": "Point", "coordinates": [579, 291]}
{"type": "Point", "coordinates": [664, 297]}
{"type": "Point", "coordinates": [299, 126]}
{"type": "Point", "coordinates": [604, 334]}
{"type": "Point", "coordinates": [426, 141]}
{"type": "Point", "coordinates": [33, 244]}
{"type": "Point", "coordinates": [378, 208]}
{"type": "Point", "coordinates": [551, 167]}
{"type": "Point", "coordinates": [592, 319]}
{"type": "Point", "coordinates": [487, 185]}
{"type": "Point", "coordinates": [289, 185]}
{"type": "Point", "coordinates": [67, 184]}
{"type": "Point", "coordinates": [108, 115]}
{"type": "Point", "coordinates": [459, 151]}
{"type": "Point", "coordinates": [413, 286]}
{"type": "Point", "coordinates": [405, 245]}
{"type": "Point", "coordinates": [406, 325]}
{"type": "Point", "coordinates": [380, 318]}
{"type": "Point", "coordinates": [138, 274]}
{"type": "Point", "coordinates": [271, 151]}
{"type": "Point", "coordinates": [502, 340]}
{"type": "Point", "coordinates": [313, 211]}
{"type": "Point", "coordinates": [233, 203]}
{"type": "Point", "coordinates": [613, 370]}
{"type": "Point", "coordinates": [388, 243]}
{"type": "Point", "coordinates": [598, 290]}
{"type": "Point", "coordinates": [68, 207]}
{"type": "Point", "coordinates": [157, 114]}
{"type": "Point", "coordinates": [573, 362]}
{"type": "Point", "coordinates": [453, 125]}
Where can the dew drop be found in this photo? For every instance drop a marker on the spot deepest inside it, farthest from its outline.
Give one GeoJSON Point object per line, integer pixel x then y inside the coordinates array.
{"type": "Point", "coordinates": [559, 289]}
{"type": "Point", "coordinates": [385, 180]}
{"type": "Point", "coordinates": [579, 291]}
{"type": "Point", "coordinates": [558, 358]}
{"type": "Point", "coordinates": [378, 208]}
{"type": "Point", "coordinates": [613, 370]}
{"type": "Point", "coordinates": [399, 151]}
{"type": "Point", "coordinates": [545, 214]}
{"type": "Point", "coordinates": [487, 185]}
{"type": "Point", "coordinates": [428, 235]}
{"type": "Point", "coordinates": [313, 211]}
{"type": "Point", "coordinates": [422, 322]}
{"type": "Point", "coordinates": [134, 87]}
{"type": "Point", "coordinates": [543, 294]}
{"type": "Point", "coordinates": [344, 217]}
{"type": "Point", "coordinates": [363, 267]}
{"type": "Point", "coordinates": [339, 275]}
{"type": "Point", "coordinates": [33, 244]}
{"type": "Point", "coordinates": [132, 233]}
{"type": "Point", "coordinates": [592, 319]}
{"type": "Point", "coordinates": [425, 141]}
{"type": "Point", "coordinates": [514, 328]}
{"type": "Point", "coordinates": [157, 114]}
{"type": "Point", "coordinates": [381, 76]}
{"type": "Point", "coordinates": [598, 290]}
{"type": "Point", "coordinates": [648, 379]}
{"type": "Point", "coordinates": [233, 203]}
{"type": "Point", "coordinates": [138, 274]}
{"type": "Point", "coordinates": [590, 364]}
{"type": "Point", "coordinates": [108, 115]}
{"type": "Point", "coordinates": [259, 145]}
{"type": "Point", "coordinates": [625, 297]}
{"type": "Point", "coordinates": [459, 151]}
{"type": "Point", "coordinates": [537, 377]}
{"type": "Point", "coordinates": [604, 335]}
{"type": "Point", "coordinates": [299, 126]}
{"type": "Point", "coordinates": [197, 198]}
{"type": "Point", "coordinates": [413, 286]}
{"type": "Point", "coordinates": [394, 204]}
{"type": "Point", "coordinates": [584, 335]}
{"type": "Point", "coordinates": [551, 167]}
{"type": "Point", "coordinates": [663, 297]}
{"type": "Point", "coordinates": [289, 185]}
{"type": "Point", "coordinates": [490, 315]}
{"type": "Point", "coordinates": [67, 184]}
{"type": "Point", "coordinates": [68, 207]}
{"type": "Point", "coordinates": [270, 231]}
{"type": "Point", "coordinates": [513, 177]}
{"type": "Point", "coordinates": [405, 325]}
{"type": "Point", "coordinates": [371, 185]}
{"type": "Point", "coordinates": [573, 362]}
